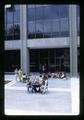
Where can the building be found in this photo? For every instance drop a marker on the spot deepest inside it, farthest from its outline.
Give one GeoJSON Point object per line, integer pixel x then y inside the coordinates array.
{"type": "Point", "coordinates": [36, 34]}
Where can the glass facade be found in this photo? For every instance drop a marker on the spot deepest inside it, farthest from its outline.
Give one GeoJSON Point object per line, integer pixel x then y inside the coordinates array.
{"type": "Point", "coordinates": [43, 21]}
{"type": "Point", "coordinates": [78, 19]}
{"type": "Point", "coordinates": [10, 62]}
{"type": "Point", "coordinates": [56, 59]}
{"type": "Point", "coordinates": [46, 21]}
{"type": "Point", "coordinates": [12, 23]}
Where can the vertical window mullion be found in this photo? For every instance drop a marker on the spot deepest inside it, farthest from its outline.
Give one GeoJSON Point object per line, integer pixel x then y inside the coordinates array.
{"type": "Point", "coordinates": [13, 24]}
{"type": "Point", "coordinates": [35, 20]}
{"type": "Point", "coordinates": [43, 21]}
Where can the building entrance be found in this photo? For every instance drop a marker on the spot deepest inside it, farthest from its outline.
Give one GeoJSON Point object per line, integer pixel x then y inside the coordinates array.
{"type": "Point", "coordinates": [56, 59]}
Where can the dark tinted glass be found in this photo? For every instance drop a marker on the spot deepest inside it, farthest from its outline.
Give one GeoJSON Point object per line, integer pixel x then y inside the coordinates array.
{"type": "Point", "coordinates": [78, 26]}
{"type": "Point", "coordinates": [78, 10]}
{"type": "Point", "coordinates": [16, 29]}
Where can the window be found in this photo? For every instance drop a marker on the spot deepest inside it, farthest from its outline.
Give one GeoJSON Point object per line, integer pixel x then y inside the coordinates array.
{"type": "Point", "coordinates": [55, 28]}
{"type": "Point", "coordinates": [78, 11]}
{"type": "Point", "coordinates": [64, 27]}
{"type": "Point", "coordinates": [64, 11]}
{"type": "Point", "coordinates": [31, 14]}
{"type": "Point", "coordinates": [78, 19]}
{"type": "Point", "coordinates": [17, 7]}
{"type": "Point", "coordinates": [17, 16]}
{"type": "Point", "coordinates": [9, 17]}
{"type": "Point", "coordinates": [16, 31]}
{"type": "Point", "coordinates": [78, 26]}
{"type": "Point", "coordinates": [47, 28]}
{"type": "Point", "coordinates": [31, 26]}
{"type": "Point", "coordinates": [12, 27]}
{"type": "Point", "coordinates": [39, 13]}
{"type": "Point", "coordinates": [31, 6]}
{"type": "Point", "coordinates": [51, 12]}
{"type": "Point", "coordinates": [39, 29]}
{"type": "Point", "coordinates": [31, 29]}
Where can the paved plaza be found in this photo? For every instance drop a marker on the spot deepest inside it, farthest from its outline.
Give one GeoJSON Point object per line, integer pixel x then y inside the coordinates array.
{"type": "Point", "coordinates": [59, 100]}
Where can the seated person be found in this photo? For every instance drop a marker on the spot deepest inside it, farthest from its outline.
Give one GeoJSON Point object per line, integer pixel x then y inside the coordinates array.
{"type": "Point", "coordinates": [44, 85]}
{"type": "Point", "coordinates": [62, 75]}
{"type": "Point", "coordinates": [24, 77]}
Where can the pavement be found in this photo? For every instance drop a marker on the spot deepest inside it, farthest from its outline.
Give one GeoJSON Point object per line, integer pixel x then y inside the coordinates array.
{"type": "Point", "coordinates": [62, 98]}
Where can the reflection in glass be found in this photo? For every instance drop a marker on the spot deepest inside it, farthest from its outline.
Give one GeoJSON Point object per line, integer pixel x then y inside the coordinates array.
{"type": "Point", "coordinates": [10, 29]}
{"type": "Point", "coordinates": [51, 12]}
{"type": "Point", "coordinates": [55, 28]}
{"type": "Point", "coordinates": [31, 5]}
{"type": "Point", "coordinates": [17, 7]}
{"type": "Point", "coordinates": [78, 11]}
{"type": "Point", "coordinates": [78, 26]}
{"type": "Point", "coordinates": [31, 29]}
{"type": "Point", "coordinates": [17, 16]}
{"type": "Point", "coordinates": [64, 27]}
{"type": "Point", "coordinates": [31, 14]}
{"type": "Point", "coordinates": [16, 31]}
{"type": "Point", "coordinates": [31, 26]}
{"type": "Point", "coordinates": [64, 11]}
{"type": "Point", "coordinates": [47, 26]}
{"type": "Point", "coordinates": [39, 13]}
{"type": "Point", "coordinates": [9, 17]}
{"type": "Point", "coordinates": [39, 29]}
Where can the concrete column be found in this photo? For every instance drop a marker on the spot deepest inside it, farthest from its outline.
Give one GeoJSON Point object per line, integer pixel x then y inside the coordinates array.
{"type": "Point", "coordinates": [23, 37]}
{"type": "Point", "coordinates": [73, 40]}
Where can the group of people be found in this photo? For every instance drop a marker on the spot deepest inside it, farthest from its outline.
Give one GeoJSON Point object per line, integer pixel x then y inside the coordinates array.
{"type": "Point", "coordinates": [38, 84]}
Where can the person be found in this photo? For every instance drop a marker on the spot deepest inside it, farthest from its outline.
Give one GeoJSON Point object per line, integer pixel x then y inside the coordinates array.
{"type": "Point", "coordinates": [46, 68]}
{"type": "Point", "coordinates": [24, 77]}
{"type": "Point", "coordinates": [20, 75]}
{"type": "Point", "coordinates": [44, 85]}
{"type": "Point", "coordinates": [43, 68]}
{"type": "Point", "coordinates": [62, 75]}
{"type": "Point", "coordinates": [16, 73]}
{"type": "Point", "coordinates": [40, 69]}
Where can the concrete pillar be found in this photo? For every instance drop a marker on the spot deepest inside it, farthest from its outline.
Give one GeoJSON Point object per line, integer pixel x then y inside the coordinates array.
{"type": "Point", "coordinates": [23, 36]}
{"type": "Point", "coordinates": [73, 40]}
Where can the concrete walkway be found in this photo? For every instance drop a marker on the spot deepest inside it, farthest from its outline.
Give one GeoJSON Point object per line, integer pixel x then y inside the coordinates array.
{"type": "Point", "coordinates": [59, 100]}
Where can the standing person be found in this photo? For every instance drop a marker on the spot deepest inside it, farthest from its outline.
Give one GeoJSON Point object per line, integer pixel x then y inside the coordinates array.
{"type": "Point", "coordinates": [40, 69]}
{"type": "Point", "coordinates": [43, 68]}
{"type": "Point", "coordinates": [20, 75]}
{"type": "Point", "coordinates": [16, 73]}
{"type": "Point", "coordinates": [46, 68]}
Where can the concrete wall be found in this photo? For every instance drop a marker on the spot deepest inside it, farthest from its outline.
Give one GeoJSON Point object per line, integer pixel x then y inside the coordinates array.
{"type": "Point", "coordinates": [40, 43]}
